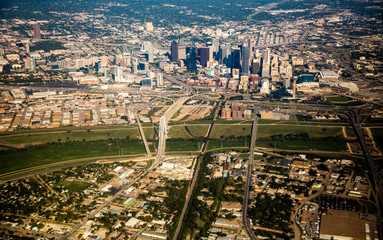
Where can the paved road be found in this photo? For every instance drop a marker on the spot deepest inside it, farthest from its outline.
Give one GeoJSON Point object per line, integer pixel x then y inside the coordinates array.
{"type": "Point", "coordinates": [27, 233]}
{"type": "Point", "coordinates": [167, 115]}
{"type": "Point", "coordinates": [142, 133]}
{"type": "Point", "coordinates": [195, 177]}
{"type": "Point", "coordinates": [297, 232]}
{"type": "Point", "coordinates": [163, 130]}
{"type": "Point", "coordinates": [70, 234]}
{"type": "Point", "coordinates": [354, 119]}
{"type": "Point", "coordinates": [245, 220]}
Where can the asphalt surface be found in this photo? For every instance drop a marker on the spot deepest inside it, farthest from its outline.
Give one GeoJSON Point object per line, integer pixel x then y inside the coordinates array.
{"type": "Point", "coordinates": [195, 177]}
{"type": "Point", "coordinates": [245, 220]}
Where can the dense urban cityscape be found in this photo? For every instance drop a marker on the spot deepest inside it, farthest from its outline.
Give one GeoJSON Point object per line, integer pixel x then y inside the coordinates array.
{"type": "Point", "coordinates": [214, 120]}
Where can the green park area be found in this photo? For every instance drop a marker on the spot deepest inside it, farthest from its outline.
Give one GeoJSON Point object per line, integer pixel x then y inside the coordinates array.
{"type": "Point", "coordinates": [266, 131]}
{"type": "Point", "coordinates": [42, 136]}
{"type": "Point", "coordinates": [187, 131]}
{"type": "Point", "coordinates": [13, 160]}
{"type": "Point", "coordinates": [75, 186]}
{"type": "Point", "coordinates": [338, 99]}
{"type": "Point", "coordinates": [48, 146]}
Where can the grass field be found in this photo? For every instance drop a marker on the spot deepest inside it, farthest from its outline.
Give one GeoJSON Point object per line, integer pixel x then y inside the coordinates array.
{"type": "Point", "coordinates": [75, 186]}
{"type": "Point", "coordinates": [181, 131]}
{"type": "Point", "coordinates": [149, 132]}
{"type": "Point", "coordinates": [338, 99]}
{"type": "Point", "coordinates": [265, 131]}
{"type": "Point", "coordinates": [183, 146]}
{"type": "Point", "coordinates": [229, 130]}
{"type": "Point", "coordinates": [41, 155]}
{"type": "Point", "coordinates": [304, 145]}
{"type": "Point", "coordinates": [227, 144]}
{"type": "Point", "coordinates": [41, 137]}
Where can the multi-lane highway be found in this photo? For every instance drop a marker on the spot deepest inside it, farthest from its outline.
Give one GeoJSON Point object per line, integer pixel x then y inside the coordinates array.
{"type": "Point", "coordinates": [354, 119]}
{"type": "Point", "coordinates": [162, 141]}
{"type": "Point", "coordinates": [142, 133]}
{"type": "Point", "coordinates": [195, 177]}
{"type": "Point", "coordinates": [245, 220]}
{"type": "Point", "coordinates": [162, 135]}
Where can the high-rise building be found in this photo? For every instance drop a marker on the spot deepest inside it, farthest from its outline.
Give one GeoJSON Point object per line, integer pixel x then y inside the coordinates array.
{"type": "Point", "coordinates": [256, 66]}
{"type": "Point", "coordinates": [245, 61]}
{"type": "Point", "coordinates": [160, 79]}
{"type": "Point", "coordinates": [192, 60]}
{"type": "Point", "coordinates": [174, 51]}
{"type": "Point", "coordinates": [150, 53]}
{"type": "Point", "coordinates": [181, 48]}
{"type": "Point", "coordinates": [204, 53]}
{"type": "Point", "coordinates": [265, 70]}
{"type": "Point", "coordinates": [266, 55]}
{"type": "Point", "coordinates": [135, 67]}
{"type": "Point", "coordinates": [215, 45]}
{"type": "Point", "coordinates": [181, 52]}
{"type": "Point", "coordinates": [147, 82]}
{"type": "Point", "coordinates": [119, 74]}
{"type": "Point", "coordinates": [97, 66]}
{"type": "Point", "coordinates": [36, 31]}
{"type": "Point", "coordinates": [224, 52]}
{"type": "Point", "coordinates": [236, 58]}
{"type": "Point", "coordinates": [33, 65]}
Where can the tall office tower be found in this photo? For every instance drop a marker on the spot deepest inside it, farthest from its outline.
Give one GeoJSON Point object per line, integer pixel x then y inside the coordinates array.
{"type": "Point", "coordinates": [181, 48]}
{"type": "Point", "coordinates": [192, 60]}
{"type": "Point", "coordinates": [147, 83]}
{"type": "Point", "coordinates": [150, 53]}
{"type": "Point", "coordinates": [119, 74]}
{"type": "Point", "coordinates": [127, 59]}
{"type": "Point", "coordinates": [266, 70]}
{"type": "Point", "coordinates": [245, 61]}
{"type": "Point", "coordinates": [174, 51]}
{"type": "Point", "coordinates": [204, 53]}
{"type": "Point", "coordinates": [215, 45]}
{"type": "Point", "coordinates": [255, 66]}
{"type": "Point", "coordinates": [181, 51]}
{"type": "Point", "coordinates": [33, 65]}
{"type": "Point", "coordinates": [275, 62]}
{"type": "Point", "coordinates": [236, 58]}
{"type": "Point", "coordinates": [211, 54]}
{"type": "Point", "coordinates": [97, 66]}
{"type": "Point", "coordinates": [160, 79]}
{"type": "Point", "coordinates": [266, 55]}
{"type": "Point", "coordinates": [224, 52]}
{"type": "Point", "coordinates": [36, 31]}
{"type": "Point", "coordinates": [181, 41]}
{"type": "Point", "coordinates": [27, 47]}
{"type": "Point", "coordinates": [135, 67]}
